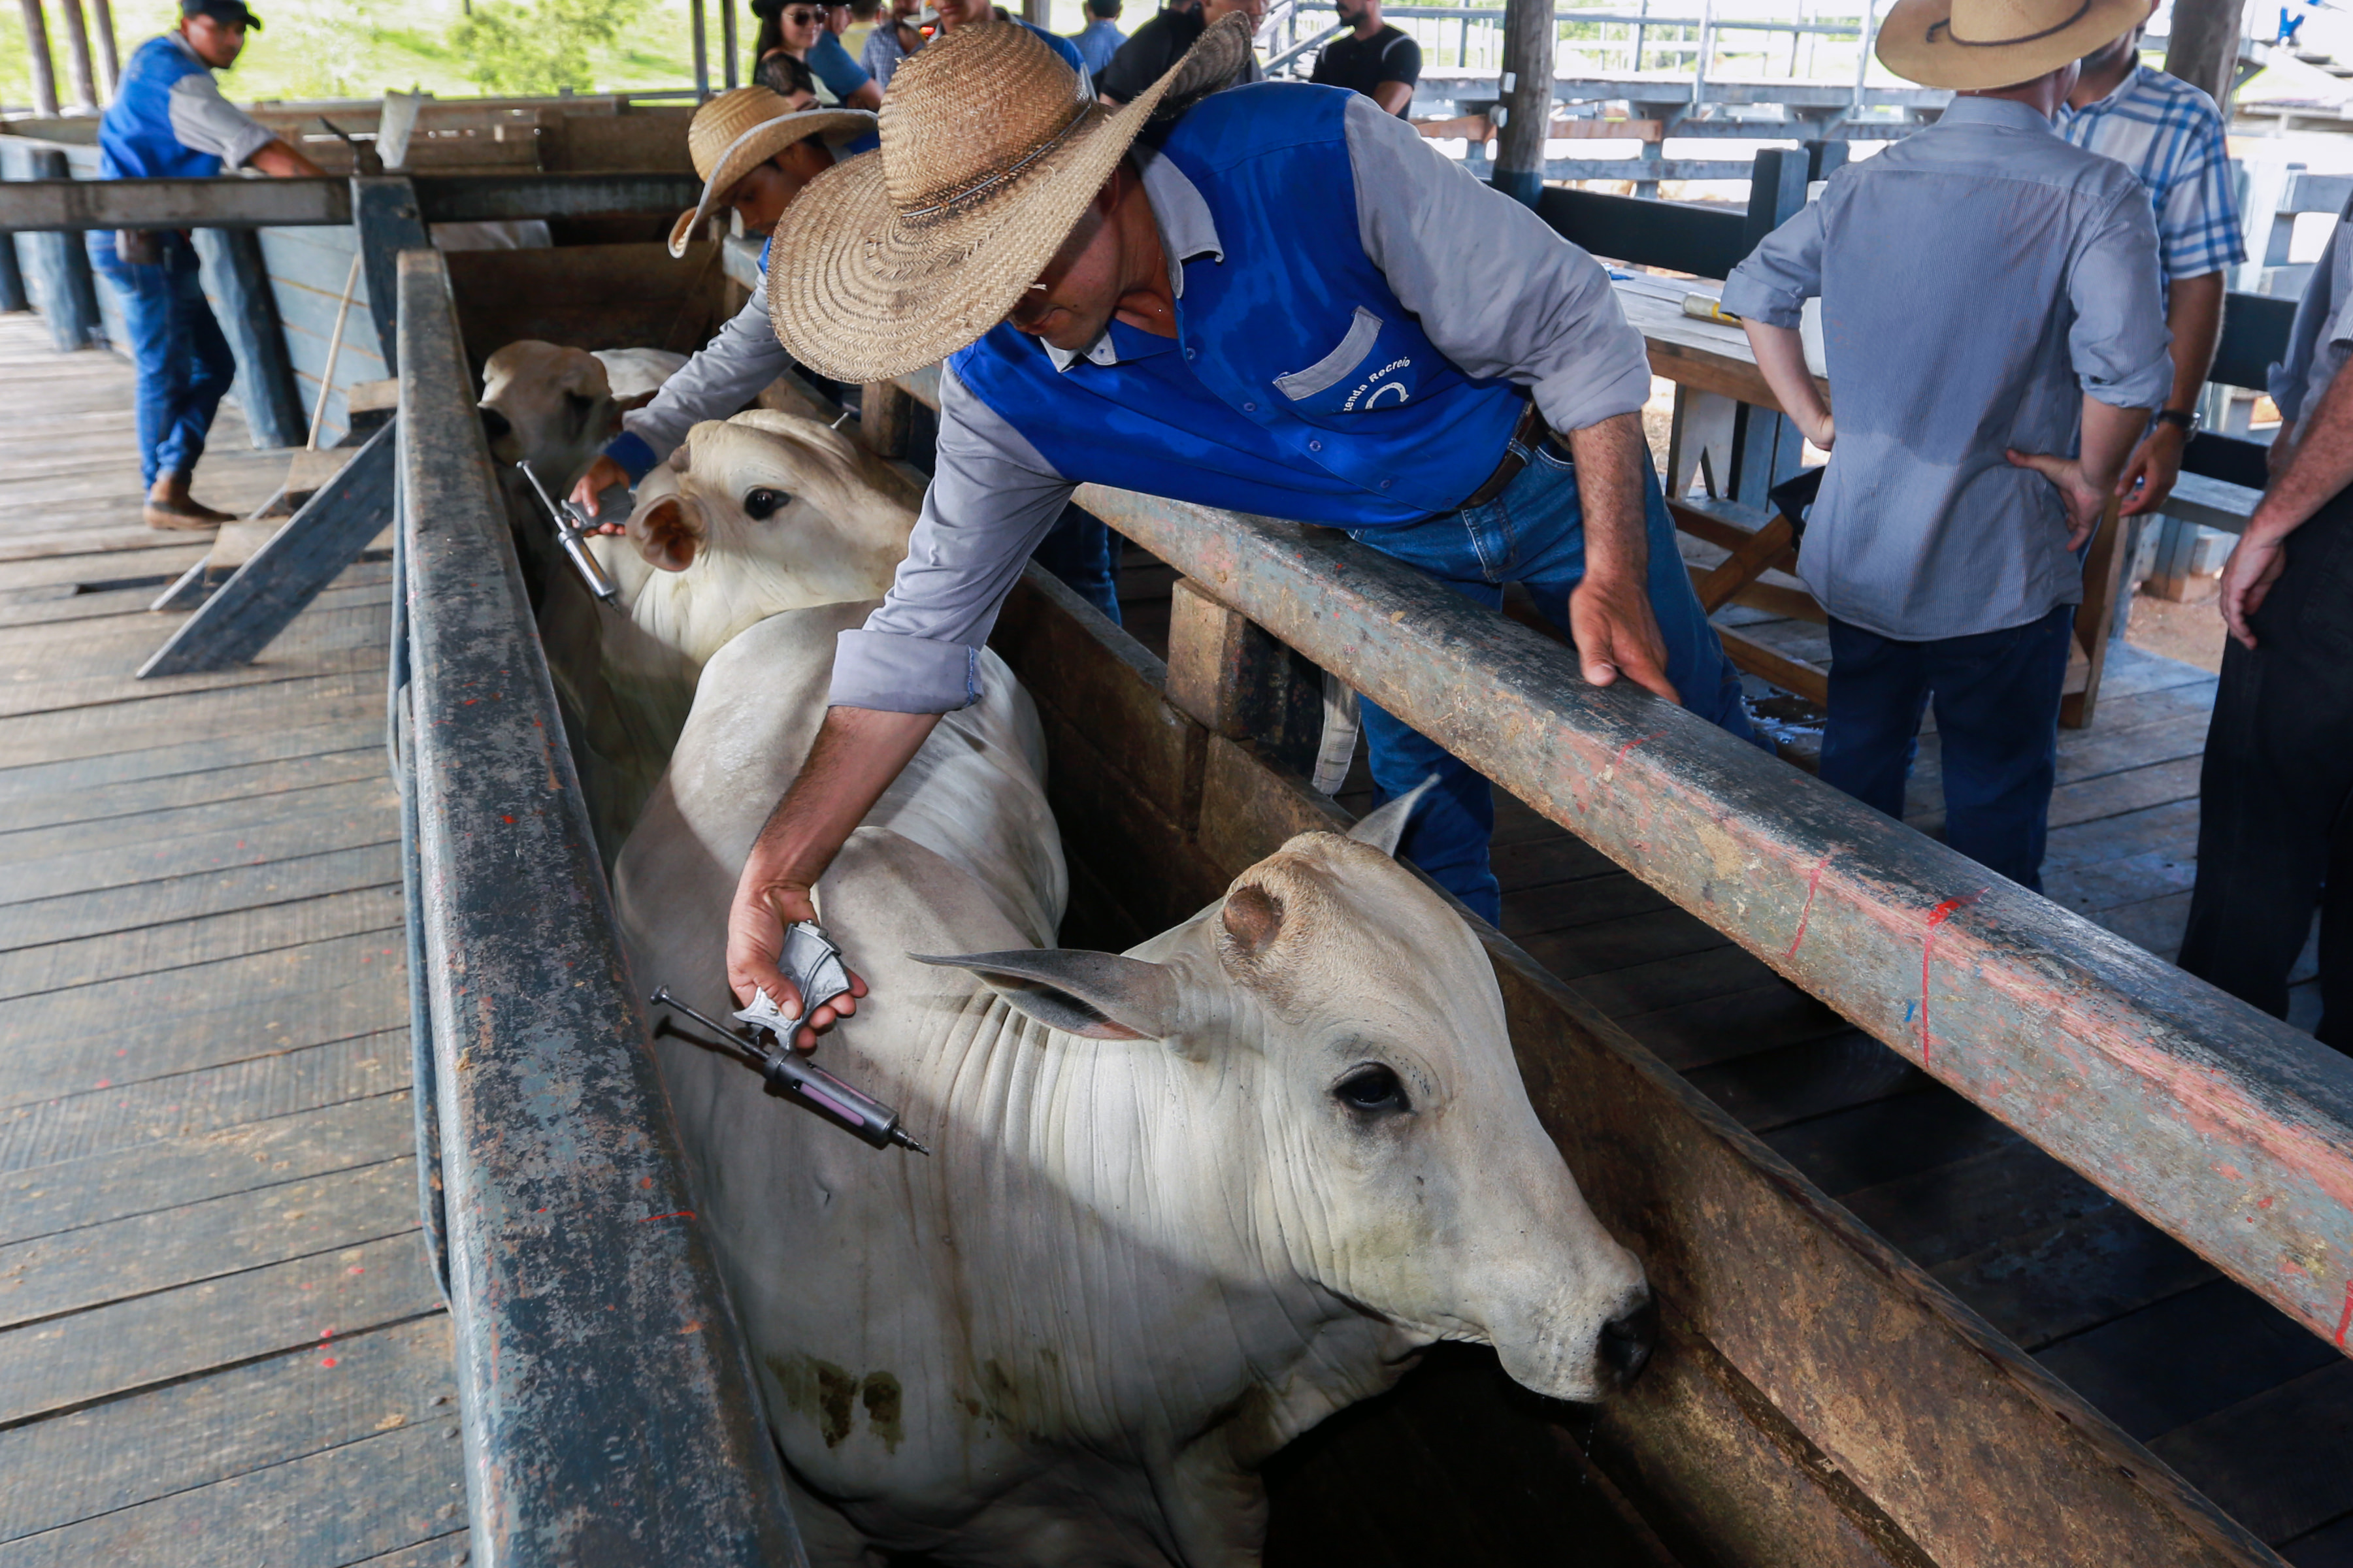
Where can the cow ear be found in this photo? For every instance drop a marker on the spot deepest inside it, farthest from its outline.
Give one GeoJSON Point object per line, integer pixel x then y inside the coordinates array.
{"type": "Point", "coordinates": [1098, 995]}
{"type": "Point", "coordinates": [665, 535]}
{"type": "Point", "coordinates": [1384, 827]}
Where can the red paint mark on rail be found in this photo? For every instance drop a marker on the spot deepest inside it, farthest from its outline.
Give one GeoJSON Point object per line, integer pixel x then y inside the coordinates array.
{"type": "Point", "coordinates": [682, 1214]}
{"type": "Point", "coordinates": [2345, 1318]}
{"type": "Point", "coordinates": [1936, 917]}
{"type": "Point", "coordinates": [1813, 881]}
{"type": "Point", "coordinates": [1637, 741]}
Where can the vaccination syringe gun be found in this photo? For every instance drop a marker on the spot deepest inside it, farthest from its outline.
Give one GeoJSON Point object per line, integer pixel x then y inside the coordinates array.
{"type": "Point", "coordinates": [815, 966]}
{"type": "Point", "coordinates": [572, 531]}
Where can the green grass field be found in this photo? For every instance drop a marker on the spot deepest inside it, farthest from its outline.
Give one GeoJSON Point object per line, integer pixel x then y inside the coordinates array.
{"type": "Point", "coordinates": [360, 49]}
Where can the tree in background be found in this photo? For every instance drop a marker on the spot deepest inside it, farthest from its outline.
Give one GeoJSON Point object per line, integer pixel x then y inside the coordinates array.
{"type": "Point", "coordinates": [541, 47]}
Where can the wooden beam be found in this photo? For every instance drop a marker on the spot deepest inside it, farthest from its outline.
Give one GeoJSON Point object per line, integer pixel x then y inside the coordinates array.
{"type": "Point", "coordinates": [1526, 109]}
{"type": "Point", "coordinates": [59, 203]}
{"type": "Point", "coordinates": [610, 1414]}
{"type": "Point", "coordinates": [384, 209]}
{"type": "Point", "coordinates": [249, 316]}
{"type": "Point", "coordinates": [1761, 551]}
{"type": "Point", "coordinates": [885, 415]}
{"type": "Point", "coordinates": [2102, 577]}
{"type": "Point", "coordinates": [44, 70]}
{"type": "Point", "coordinates": [2202, 46]}
{"type": "Point", "coordinates": [85, 79]}
{"type": "Point", "coordinates": [285, 575]}
{"type": "Point", "coordinates": [68, 291]}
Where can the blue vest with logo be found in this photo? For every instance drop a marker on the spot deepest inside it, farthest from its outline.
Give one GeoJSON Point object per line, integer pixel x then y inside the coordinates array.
{"type": "Point", "coordinates": [135, 140]}
{"type": "Point", "coordinates": [1297, 385]}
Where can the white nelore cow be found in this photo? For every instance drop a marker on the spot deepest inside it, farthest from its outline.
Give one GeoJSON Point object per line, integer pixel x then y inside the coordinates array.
{"type": "Point", "coordinates": [556, 407]}
{"type": "Point", "coordinates": [1183, 1203]}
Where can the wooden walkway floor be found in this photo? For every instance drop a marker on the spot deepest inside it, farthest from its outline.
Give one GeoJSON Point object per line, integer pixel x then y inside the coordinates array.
{"type": "Point", "coordinates": [2250, 1408]}
{"type": "Point", "coordinates": [219, 1340]}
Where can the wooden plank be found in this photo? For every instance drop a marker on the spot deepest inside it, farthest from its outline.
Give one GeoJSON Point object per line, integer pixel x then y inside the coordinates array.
{"type": "Point", "coordinates": [138, 723]}
{"type": "Point", "coordinates": [72, 857]}
{"type": "Point", "coordinates": [117, 1182]}
{"type": "Point", "coordinates": [1768, 1089]}
{"type": "Point", "coordinates": [247, 612]}
{"type": "Point", "coordinates": [1635, 941]}
{"type": "Point", "coordinates": [353, 640]}
{"type": "Point", "coordinates": [125, 1112]}
{"type": "Point", "coordinates": [345, 1505]}
{"type": "Point", "coordinates": [233, 1423]}
{"type": "Point", "coordinates": [2135, 1368]}
{"type": "Point", "coordinates": [2045, 1285]}
{"type": "Point", "coordinates": [1747, 653]}
{"type": "Point", "coordinates": [40, 922]}
{"type": "Point", "coordinates": [68, 1362]}
{"type": "Point", "coordinates": [1691, 1035]}
{"type": "Point", "coordinates": [362, 583]}
{"type": "Point", "coordinates": [191, 944]}
{"type": "Point", "coordinates": [239, 758]}
{"type": "Point", "coordinates": [2257, 1456]}
{"type": "Point", "coordinates": [81, 1270]}
{"type": "Point", "coordinates": [139, 805]}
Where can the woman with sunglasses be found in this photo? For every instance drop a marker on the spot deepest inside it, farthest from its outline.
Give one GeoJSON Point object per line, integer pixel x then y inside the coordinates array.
{"type": "Point", "coordinates": [798, 27]}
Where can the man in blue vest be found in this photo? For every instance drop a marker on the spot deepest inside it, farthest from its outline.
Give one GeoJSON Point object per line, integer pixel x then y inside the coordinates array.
{"type": "Point", "coordinates": [169, 118]}
{"type": "Point", "coordinates": [1276, 298]}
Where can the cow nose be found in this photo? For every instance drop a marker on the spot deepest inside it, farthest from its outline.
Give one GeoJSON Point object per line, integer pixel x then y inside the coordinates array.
{"type": "Point", "coordinates": [1627, 1342]}
{"type": "Point", "coordinates": [495, 428]}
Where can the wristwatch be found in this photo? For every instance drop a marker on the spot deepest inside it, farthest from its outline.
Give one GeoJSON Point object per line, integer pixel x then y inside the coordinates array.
{"type": "Point", "coordinates": [2187, 423]}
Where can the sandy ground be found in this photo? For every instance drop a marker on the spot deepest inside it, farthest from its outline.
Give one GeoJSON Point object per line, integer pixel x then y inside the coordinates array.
{"type": "Point", "coordinates": [2190, 633]}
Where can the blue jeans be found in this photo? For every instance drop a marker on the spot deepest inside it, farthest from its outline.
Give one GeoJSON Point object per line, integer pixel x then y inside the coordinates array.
{"type": "Point", "coordinates": [1533, 533]}
{"type": "Point", "coordinates": [184, 364]}
{"type": "Point", "coordinates": [1996, 719]}
{"type": "Point", "coordinates": [1084, 554]}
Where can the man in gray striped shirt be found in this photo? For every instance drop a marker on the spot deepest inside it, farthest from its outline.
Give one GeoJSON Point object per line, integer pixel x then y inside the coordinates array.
{"type": "Point", "coordinates": [1996, 338]}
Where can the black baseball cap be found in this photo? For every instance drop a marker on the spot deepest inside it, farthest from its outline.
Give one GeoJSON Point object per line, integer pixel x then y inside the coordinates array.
{"type": "Point", "coordinates": [233, 11]}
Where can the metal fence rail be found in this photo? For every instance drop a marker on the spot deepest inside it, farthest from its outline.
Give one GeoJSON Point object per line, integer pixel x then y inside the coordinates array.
{"type": "Point", "coordinates": [2224, 1126]}
{"type": "Point", "coordinates": [610, 1416]}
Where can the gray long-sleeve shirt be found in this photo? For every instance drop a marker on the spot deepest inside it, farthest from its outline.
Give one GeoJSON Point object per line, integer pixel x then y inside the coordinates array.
{"type": "Point", "coordinates": [2322, 336]}
{"type": "Point", "coordinates": [725, 375]}
{"type": "Point", "coordinates": [1978, 279]}
{"type": "Point", "coordinates": [1497, 292]}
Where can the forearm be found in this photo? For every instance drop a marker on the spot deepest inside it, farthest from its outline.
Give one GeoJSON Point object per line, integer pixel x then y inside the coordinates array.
{"type": "Point", "coordinates": [2194, 312]}
{"type": "Point", "coordinates": [1609, 459]}
{"type": "Point", "coordinates": [858, 751]}
{"type": "Point", "coordinates": [2320, 466]}
{"type": "Point", "coordinates": [2109, 436]}
{"type": "Point", "coordinates": [1781, 360]}
{"type": "Point", "coordinates": [281, 162]}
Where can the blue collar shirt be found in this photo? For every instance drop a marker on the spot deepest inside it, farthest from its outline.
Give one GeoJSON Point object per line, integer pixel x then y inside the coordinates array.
{"type": "Point", "coordinates": [1978, 280]}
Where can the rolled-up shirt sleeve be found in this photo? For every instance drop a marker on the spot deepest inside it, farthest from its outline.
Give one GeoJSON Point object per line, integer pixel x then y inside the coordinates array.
{"type": "Point", "coordinates": [1773, 284]}
{"type": "Point", "coordinates": [991, 499]}
{"type": "Point", "coordinates": [729, 371]}
{"type": "Point", "coordinates": [204, 121]}
{"type": "Point", "coordinates": [1496, 288]}
{"type": "Point", "coordinates": [2119, 341]}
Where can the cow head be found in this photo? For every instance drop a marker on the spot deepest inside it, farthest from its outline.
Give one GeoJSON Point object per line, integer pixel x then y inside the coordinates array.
{"type": "Point", "coordinates": [762, 513]}
{"type": "Point", "coordinates": [1405, 1172]}
{"type": "Point", "coordinates": [550, 406]}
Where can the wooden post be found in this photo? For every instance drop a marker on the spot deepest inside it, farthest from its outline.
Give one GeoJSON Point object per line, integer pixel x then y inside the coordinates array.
{"type": "Point", "coordinates": [248, 314]}
{"type": "Point", "coordinates": [701, 63]}
{"type": "Point", "coordinates": [729, 64]}
{"type": "Point", "coordinates": [45, 70]}
{"type": "Point", "coordinates": [77, 54]}
{"type": "Point", "coordinates": [12, 297]}
{"type": "Point", "coordinates": [1527, 108]}
{"type": "Point", "coordinates": [886, 414]}
{"type": "Point", "coordinates": [1767, 445]}
{"type": "Point", "coordinates": [383, 211]}
{"type": "Point", "coordinates": [1039, 13]}
{"type": "Point", "coordinates": [1229, 676]}
{"type": "Point", "coordinates": [68, 294]}
{"type": "Point", "coordinates": [110, 58]}
{"type": "Point", "coordinates": [2203, 49]}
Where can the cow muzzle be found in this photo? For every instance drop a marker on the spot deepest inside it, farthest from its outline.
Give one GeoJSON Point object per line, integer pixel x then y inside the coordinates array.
{"type": "Point", "coordinates": [1626, 1344]}
{"type": "Point", "coordinates": [500, 432]}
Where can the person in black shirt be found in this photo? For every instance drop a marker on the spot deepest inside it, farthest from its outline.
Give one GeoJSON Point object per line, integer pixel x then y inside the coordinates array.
{"type": "Point", "coordinates": [1160, 43]}
{"type": "Point", "coordinates": [1376, 60]}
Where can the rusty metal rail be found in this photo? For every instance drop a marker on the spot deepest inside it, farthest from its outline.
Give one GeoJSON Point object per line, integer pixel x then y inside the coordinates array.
{"type": "Point", "coordinates": [610, 1416]}
{"type": "Point", "coordinates": [2221, 1125]}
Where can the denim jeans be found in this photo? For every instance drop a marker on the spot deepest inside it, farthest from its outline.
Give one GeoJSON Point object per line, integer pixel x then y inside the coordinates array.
{"type": "Point", "coordinates": [1532, 534]}
{"type": "Point", "coordinates": [1997, 720]}
{"type": "Point", "coordinates": [1084, 554]}
{"type": "Point", "coordinates": [184, 364]}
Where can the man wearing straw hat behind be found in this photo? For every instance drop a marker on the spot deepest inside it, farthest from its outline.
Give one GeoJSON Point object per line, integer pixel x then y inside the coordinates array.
{"type": "Point", "coordinates": [1275, 298]}
{"type": "Point", "coordinates": [756, 155]}
{"type": "Point", "coordinates": [1996, 340]}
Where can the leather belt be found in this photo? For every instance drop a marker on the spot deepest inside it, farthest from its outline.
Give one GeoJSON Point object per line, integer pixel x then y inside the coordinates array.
{"type": "Point", "coordinates": [1530, 430]}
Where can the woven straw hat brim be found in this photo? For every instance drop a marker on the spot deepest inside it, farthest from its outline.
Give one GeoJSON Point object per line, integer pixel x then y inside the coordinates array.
{"type": "Point", "coordinates": [859, 294]}
{"type": "Point", "coordinates": [1917, 43]}
{"type": "Point", "coordinates": [755, 147]}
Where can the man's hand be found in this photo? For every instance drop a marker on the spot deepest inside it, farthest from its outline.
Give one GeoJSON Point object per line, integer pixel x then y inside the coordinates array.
{"type": "Point", "coordinates": [857, 752]}
{"type": "Point", "coordinates": [1609, 612]}
{"type": "Point", "coordinates": [2084, 497]}
{"type": "Point", "coordinates": [2152, 470]}
{"type": "Point", "coordinates": [602, 475]}
{"type": "Point", "coordinates": [2254, 565]}
{"type": "Point", "coordinates": [755, 937]}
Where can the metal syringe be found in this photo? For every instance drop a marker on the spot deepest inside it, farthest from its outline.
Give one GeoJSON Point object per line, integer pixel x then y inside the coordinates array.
{"type": "Point", "coordinates": [808, 1086]}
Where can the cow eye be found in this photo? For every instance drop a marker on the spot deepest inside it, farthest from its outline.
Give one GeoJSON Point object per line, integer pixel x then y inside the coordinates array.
{"type": "Point", "coordinates": [763, 504]}
{"type": "Point", "coordinates": [1372, 1089]}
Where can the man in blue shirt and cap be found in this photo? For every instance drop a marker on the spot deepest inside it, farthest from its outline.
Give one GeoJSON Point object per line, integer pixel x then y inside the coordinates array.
{"type": "Point", "coordinates": [1275, 298]}
{"type": "Point", "coordinates": [169, 118]}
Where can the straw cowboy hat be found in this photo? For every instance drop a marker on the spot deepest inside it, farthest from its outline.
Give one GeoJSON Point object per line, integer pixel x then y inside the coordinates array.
{"type": "Point", "coordinates": [991, 155]}
{"type": "Point", "coordinates": [742, 129]}
{"type": "Point", "coordinates": [1970, 45]}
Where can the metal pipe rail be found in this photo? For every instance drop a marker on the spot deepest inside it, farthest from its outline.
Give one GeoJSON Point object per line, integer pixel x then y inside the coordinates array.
{"type": "Point", "coordinates": [609, 1411]}
{"type": "Point", "coordinates": [49, 207]}
{"type": "Point", "coordinates": [2226, 1129]}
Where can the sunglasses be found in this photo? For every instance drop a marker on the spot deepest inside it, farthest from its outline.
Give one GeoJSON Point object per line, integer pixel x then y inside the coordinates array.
{"type": "Point", "coordinates": [802, 16]}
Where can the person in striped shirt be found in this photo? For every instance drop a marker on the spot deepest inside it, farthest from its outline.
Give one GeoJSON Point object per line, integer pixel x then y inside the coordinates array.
{"type": "Point", "coordinates": [2170, 135]}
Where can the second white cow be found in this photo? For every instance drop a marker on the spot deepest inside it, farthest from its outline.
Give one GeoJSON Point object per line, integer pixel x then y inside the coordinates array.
{"type": "Point", "coordinates": [1185, 1202]}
